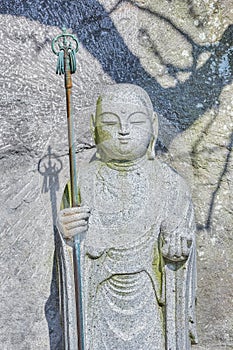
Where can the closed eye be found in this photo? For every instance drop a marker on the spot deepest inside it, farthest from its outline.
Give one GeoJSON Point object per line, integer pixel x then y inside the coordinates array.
{"type": "Point", "coordinates": [109, 119]}
{"type": "Point", "coordinates": [137, 122]}
{"type": "Point", "coordinates": [138, 118]}
{"type": "Point", "coordinates": [109, 122]}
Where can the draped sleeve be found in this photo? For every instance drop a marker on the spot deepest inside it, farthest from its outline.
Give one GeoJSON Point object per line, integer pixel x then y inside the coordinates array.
{"type": "Point", "coordinates": [180, 277]}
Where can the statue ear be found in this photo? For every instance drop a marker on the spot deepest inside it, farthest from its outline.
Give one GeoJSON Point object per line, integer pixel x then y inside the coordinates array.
{"type": "Point", "coordinates": [151, 148]}
{"type": "Point", "coordinates": [93, 127]}
{"type": "Point", "coordinates": [155, 124]}
{"type": "Point", "coordinates": [93, 134]}
{"type": "Point", "coordinates": [93, 117]}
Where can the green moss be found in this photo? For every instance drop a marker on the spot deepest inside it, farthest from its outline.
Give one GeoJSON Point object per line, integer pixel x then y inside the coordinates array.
{"type": "Point", "coordinates": [99, 106]}
{"type": "Point", "coordinates": [66, 201]}
{"type": "Point", "coordinates": [157, 266]}
{"type": "Point", "coordinates": [101, 135]}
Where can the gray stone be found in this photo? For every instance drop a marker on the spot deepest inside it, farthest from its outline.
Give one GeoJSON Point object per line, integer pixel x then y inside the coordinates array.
{"type": "Point", "coordinates": [136, 224]}
{"type": "Point", "coordinates": [180, 52]}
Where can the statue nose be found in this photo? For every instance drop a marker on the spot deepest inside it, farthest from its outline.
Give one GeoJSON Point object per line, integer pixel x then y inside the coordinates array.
{"type": "Point", "coordinates": [124, 130]}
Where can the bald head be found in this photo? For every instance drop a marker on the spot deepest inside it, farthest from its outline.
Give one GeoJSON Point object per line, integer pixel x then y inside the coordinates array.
{"type": "Point", "coordinates": [125, 94]}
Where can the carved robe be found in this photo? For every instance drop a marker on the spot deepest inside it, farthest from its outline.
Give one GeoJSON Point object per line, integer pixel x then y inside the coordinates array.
{"type": "Point", "coordinates": [134, 298]}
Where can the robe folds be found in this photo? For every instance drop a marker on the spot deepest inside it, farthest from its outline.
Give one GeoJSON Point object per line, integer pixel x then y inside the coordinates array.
{"type": "Point", "coordinates": [134, 297]}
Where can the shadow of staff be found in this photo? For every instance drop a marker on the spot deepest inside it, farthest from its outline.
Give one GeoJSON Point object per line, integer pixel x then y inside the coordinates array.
{"type": "Point", "coordinates": [49, 167]}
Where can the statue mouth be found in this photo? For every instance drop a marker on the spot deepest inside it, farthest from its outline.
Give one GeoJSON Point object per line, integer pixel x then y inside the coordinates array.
{"type": "Point", "coordinates": [124, 140]}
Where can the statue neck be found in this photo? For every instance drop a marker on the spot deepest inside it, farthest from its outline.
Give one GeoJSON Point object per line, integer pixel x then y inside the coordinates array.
{"type": "Point", "coordinates": [127, 165]}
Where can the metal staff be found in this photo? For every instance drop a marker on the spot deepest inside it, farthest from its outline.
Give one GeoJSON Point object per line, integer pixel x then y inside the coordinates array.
{"type": "Point", "coordinates": [65, 46]}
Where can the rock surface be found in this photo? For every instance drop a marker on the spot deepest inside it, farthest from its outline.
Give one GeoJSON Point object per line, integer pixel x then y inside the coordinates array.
{"type": "Point", "coordinates": [181, 53]}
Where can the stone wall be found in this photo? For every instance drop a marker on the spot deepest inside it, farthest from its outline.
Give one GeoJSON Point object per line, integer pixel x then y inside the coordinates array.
{"type": "Point", "coordinates": [180, 51]}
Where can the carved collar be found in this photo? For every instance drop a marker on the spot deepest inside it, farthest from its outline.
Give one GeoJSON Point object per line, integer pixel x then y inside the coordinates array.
{"type": "Point", "coordinates": [125, 166]}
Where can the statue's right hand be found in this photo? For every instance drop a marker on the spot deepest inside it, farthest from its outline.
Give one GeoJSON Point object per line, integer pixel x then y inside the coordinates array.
{"type": "Point", "coordinates": [73, 221]}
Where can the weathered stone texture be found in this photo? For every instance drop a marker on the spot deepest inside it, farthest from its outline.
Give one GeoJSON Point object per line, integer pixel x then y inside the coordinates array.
{"type": "Point", "coordinates": [181, 53]}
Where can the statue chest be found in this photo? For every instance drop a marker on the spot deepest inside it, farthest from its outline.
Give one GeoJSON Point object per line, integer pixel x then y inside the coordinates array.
{"type": "Point", "coordinates": [124, 205]}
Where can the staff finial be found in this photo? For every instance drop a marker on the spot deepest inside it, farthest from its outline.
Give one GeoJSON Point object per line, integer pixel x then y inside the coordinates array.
{"type": "Point", "coordinates": [65, 46]}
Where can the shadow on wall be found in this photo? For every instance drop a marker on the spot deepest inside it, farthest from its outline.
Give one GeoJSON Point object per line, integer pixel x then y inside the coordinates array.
{"type": "Point", "coordinates": [49, 167]}
{"type": "Point", "coordinates": [181, 105]}
{"type": "Point", "coordinates": [221, 177]}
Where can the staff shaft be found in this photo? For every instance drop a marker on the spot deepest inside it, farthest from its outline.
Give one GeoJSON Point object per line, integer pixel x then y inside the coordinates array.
{"type": "Point", "coordinates": [74, 197]}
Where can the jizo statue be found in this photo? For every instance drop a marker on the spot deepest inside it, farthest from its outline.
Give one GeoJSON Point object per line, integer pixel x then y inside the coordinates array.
{"type": "Point", "coordinates": [137, 230]}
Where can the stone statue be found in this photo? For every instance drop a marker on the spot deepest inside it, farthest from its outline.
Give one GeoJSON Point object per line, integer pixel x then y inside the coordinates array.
{"type": "Point", "coordinates": [138, 248]}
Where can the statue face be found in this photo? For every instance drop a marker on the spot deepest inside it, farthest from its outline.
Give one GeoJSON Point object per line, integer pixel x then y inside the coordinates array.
{"type": "Point", "coordinates": [122, 131]}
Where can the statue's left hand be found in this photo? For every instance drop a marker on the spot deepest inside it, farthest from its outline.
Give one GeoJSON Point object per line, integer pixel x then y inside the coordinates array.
{"type": "Point", "coordinates": [176, 248]}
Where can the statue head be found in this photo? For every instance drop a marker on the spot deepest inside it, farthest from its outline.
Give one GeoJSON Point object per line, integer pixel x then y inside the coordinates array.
{"type": "Point", "coordinates": [125, 126]}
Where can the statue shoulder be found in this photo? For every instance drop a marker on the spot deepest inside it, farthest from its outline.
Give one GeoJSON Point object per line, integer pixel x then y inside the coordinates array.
{"type": "Point", "coordinates": [178, 207]}
{"type": "Point", "coordinates": [87, 169]}
{"type": "Point", "coordinates": [172, 180]}
{"type": "Point", "coordinates": [84, 171]}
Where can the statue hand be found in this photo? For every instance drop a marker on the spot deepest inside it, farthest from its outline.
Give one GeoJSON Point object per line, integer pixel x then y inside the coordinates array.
{"type": "Point", "coordinates": [73, 221]}
{"type": "Point", "coordinates": [176, 248]}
